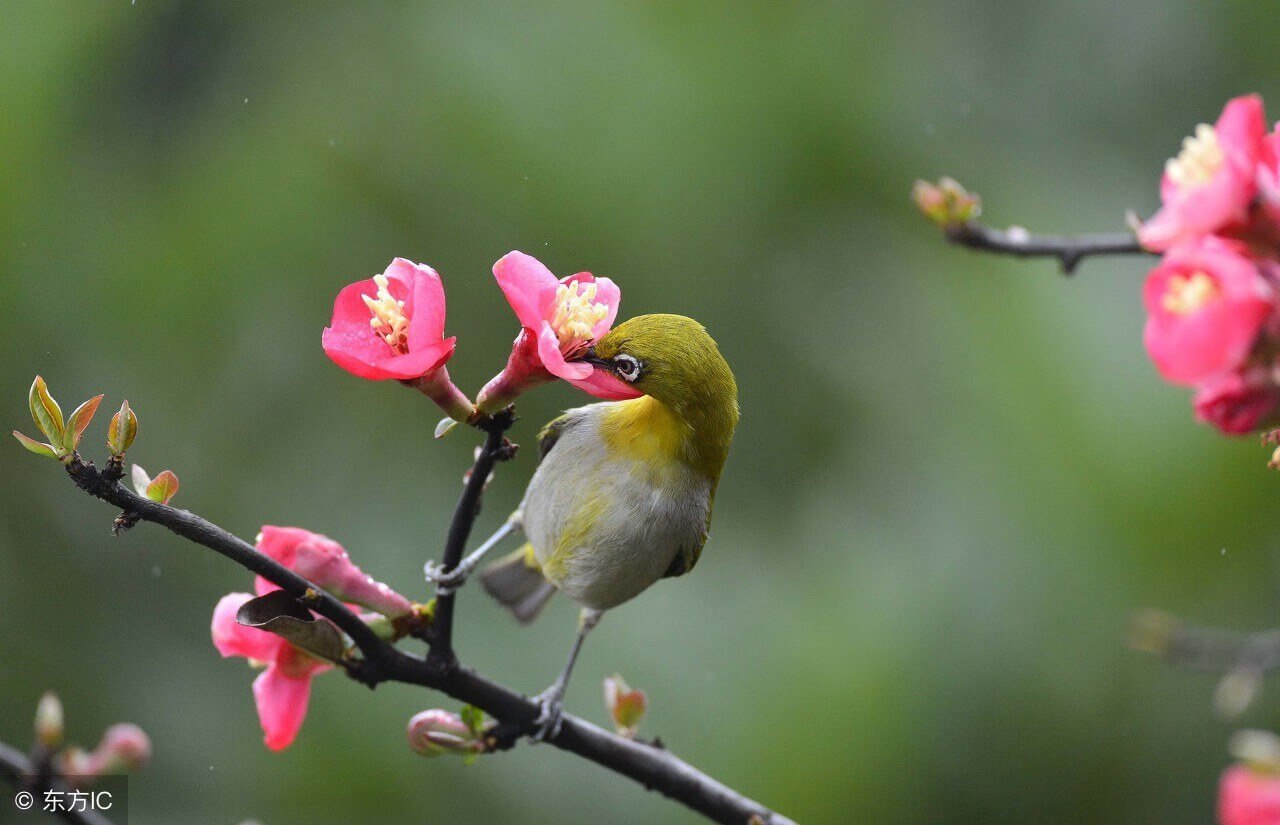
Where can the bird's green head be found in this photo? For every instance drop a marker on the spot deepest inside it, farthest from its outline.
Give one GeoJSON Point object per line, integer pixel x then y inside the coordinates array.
{"type": "Point", "coordinates": [674, 360]}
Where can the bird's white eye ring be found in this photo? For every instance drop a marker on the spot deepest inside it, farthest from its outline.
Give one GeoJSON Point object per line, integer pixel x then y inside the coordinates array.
{"type": "Point", "coordinates": [627, 368]}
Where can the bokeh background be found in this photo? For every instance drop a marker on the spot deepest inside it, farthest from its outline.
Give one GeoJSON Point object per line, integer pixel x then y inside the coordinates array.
{"type": "Point", "coordinates": [955, 477]}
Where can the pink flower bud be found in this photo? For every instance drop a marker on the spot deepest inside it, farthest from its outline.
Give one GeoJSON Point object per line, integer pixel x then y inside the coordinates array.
{"type": "Point", "coordinates": [433, 732]}
{"type": "Point", "coordinates": [1237, 403]}
{"type": "Point", "coordinates": [323, 561]}
{"type": "Point", "coordinates": [124, 748]}
{"type": "Point", "coordinates": [559, 319]}
{"type": "Point", "coordinates": [625, 705]}
{"type": "Point", "coordinates": [392, 327]}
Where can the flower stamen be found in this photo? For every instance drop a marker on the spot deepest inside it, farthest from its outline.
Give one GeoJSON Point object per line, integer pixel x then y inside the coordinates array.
{"type": "Point", "coordinates": [1200, 159]}
{"type": "Point", "coordinates": [1187, 293]}
{"type": "Point", "coordinates": [576, 315]}
{"type": "Point", "coordinates": [389, 320]}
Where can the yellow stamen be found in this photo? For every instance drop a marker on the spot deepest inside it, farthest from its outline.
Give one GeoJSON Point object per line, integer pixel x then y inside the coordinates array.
{"type": "Point", "coordinates": [1187, 293]}
{"type": "Point", "coordinates": [1201, 157]}
{"type": "Point", "coordinates": [576, 315]}
{"type": "Point", "coordinates": [388, 321]}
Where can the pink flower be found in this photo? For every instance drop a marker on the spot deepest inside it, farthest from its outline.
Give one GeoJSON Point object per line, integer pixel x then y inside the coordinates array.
{"type": "Point", "coordinates": [283, 690]}
{"type": "Point", "coordinates": [322, 561]}
{"type": "Point", "coordinates": [1209, 186]}
{"type": "Point", "coordinates": [559, 320]}
{"type": "Point", "coordinates": [1247, 796]}
{"type": "Point", "coordinates": [1236, 403]}
{"type": "Point", "coordinates": [392, 327]}
{"type": "Point", "coordinates": [1206, 303]}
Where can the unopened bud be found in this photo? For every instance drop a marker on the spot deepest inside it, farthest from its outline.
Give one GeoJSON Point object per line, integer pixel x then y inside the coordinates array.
{"type": "Point", "coordinates": [1153, 631]}
{"type": "Point", "coordinates": [124, 748]}
{"type": "Point", "coordinates": [49, 721]}
{"type": "Point", "coordinates": [1260, 749]}
{"type": "Point", "coordinates": [433, 732]}
{"type": "Point", "coordinates": [625, 706]}
{"type": "Point", "coordinates": [1237, 690]}
{"type": "Point", "coordinates": [946, 203]}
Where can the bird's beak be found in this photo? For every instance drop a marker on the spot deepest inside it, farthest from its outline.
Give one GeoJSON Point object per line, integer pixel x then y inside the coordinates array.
{"type": "Point", "coordinates": [591, 358]}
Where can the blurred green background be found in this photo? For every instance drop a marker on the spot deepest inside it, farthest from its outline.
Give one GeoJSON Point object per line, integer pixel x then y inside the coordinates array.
{"type": "Point", "coordinates": [956, 473]}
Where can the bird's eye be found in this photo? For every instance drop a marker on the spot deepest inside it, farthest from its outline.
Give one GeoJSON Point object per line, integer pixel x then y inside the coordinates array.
{"type": "Point", "coordinates": [627, 368]}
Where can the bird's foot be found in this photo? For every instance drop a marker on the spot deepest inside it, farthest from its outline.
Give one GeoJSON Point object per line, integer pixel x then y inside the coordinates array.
{"type": "Point", "coordinates": [447, 582]}
{"type": "Point", "coordinates": [550, 714]}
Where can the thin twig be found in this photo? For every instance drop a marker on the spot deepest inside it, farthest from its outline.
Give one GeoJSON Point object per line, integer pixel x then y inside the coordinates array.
{"type": "Point", "coordinates": [1204, 648]}
{"type": "Point", "coordinates": [16, 766]}
{"type": "Point", "coordinates": [495, 448]}
{"type": "Point", "coordinates": [652, 767]}
{"type": "Point", "coordinates": [1068, 249]}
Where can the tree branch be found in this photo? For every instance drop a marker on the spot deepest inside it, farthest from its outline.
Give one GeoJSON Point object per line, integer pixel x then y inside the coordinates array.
{"type": "Point", "coordinates": [17, 767]}
{"type": "Point", "coordinates": [1069, 250]}
{"type": "Point", "coordinates": [651, 766]}
{"type": "Point", "coordinates": [496, 448]}
{"type": "Point", "coordinates": [1204, 648]}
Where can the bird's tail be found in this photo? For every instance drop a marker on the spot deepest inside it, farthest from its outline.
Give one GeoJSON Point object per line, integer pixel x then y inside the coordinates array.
{"type": "Point", "coordinates": [516, 581]}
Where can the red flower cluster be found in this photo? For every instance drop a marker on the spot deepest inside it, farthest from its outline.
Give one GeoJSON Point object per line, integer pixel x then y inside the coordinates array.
{"type": "Point", "coordinates": [1213, 315]}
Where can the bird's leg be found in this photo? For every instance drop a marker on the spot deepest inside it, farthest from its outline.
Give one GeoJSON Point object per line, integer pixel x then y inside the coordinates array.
{"type": "Point", "coordinates": [447, 582]}
{"type": "Point", "coordinates": [551, 700]}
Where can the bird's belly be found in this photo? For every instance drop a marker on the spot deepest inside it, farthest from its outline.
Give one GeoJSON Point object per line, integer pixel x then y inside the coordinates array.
{"type": "Point", "coordinates": [620, 534]}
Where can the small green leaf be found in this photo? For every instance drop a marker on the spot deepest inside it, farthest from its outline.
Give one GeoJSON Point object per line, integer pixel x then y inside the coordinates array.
{"type": "Point", "coordinates": [163, 487]}
{"type": "Point", "coordinates": [45, 411]}
{"type": "Point", "coordinates": [444, 427]}
{"type": "Point", "coordinates": [78, 421]}
{"type": "Point", "coordinates": [473, 718]}
{"type": "Point", "coordinates": [470, 757]}
{"type": "Point", "coordinates": [279, 613]}
{"type": "Point", "coordinates": [124, 426]}
{"type": "Point", "coordinates": [34, 446]}
{"type": "Point", "coordinates": [140, 480]}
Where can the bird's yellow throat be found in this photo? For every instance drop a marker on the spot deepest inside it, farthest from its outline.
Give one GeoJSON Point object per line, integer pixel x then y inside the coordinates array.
{"type": "Point", "coordinates": [650, 433]}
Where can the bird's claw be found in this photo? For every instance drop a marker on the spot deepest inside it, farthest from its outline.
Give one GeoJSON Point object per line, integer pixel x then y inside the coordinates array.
{"type": "Point", "coordinates": [446, 582]}
{"type": "Point", "coordinates": [550, 717]}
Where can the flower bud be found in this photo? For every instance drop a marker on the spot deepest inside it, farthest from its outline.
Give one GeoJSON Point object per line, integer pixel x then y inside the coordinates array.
{"type": "Point", "coordinates": [1249, 793]}
{"type": "Point", "coordinates": [625, 705]}
{"type": "Point", "coordinates": [124, 748]}
{"type": "Point", "coordinates": [946, 203]}
{"type": "Point", "coordinates": [433, 732]}
{"type": "Point", "coordinates": [49, 721]}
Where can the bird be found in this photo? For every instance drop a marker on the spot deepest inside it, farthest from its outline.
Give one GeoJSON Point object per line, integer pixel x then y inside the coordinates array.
{"type": "Point", "coordinates": [622, 496]}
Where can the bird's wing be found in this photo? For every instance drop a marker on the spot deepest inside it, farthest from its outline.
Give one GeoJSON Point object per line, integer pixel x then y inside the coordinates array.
{"type": "Point", "coordinates": [551, 433]}
{"type": "Point", "coordinates": [686, 557]}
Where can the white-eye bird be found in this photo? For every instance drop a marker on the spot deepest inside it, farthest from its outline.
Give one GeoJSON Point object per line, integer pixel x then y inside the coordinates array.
{"type": "Point", "coordinates": [623, 492]}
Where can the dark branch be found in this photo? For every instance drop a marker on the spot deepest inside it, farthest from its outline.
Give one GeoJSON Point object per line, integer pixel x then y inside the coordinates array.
{"type": "Point", "coordinates": [1069, 250]}
{"type": "Point", "coordinates": [16, 766]}
{"type": "Point", "coordinates": [1203, 648]}
{"type": "Point", "coordinates": [496, 448]}
{"type": "Point", "coordinates": [653, 767]}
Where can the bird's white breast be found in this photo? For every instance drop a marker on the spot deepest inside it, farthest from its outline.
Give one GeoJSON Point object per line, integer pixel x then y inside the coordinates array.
{"type": "Point", "coordinates": [602, 527]}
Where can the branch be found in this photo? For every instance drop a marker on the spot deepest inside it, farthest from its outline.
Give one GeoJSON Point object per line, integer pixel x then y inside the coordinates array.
{"type": "Point", "coordinates": [651, 766]}
{"type": "Point", "coordinates": [16, 766]}
{"type": "Point", "coordinates": [1068, 249]}
{"type": "Point", "coordinates": [496, 448]}
{"type": "Point", "coordinates": [1204, 648]}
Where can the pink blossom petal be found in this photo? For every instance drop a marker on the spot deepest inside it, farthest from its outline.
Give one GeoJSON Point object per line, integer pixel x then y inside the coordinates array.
{"type": "Point", "coordinates": [604, 384]}
{"type": "Point", "coordinates": [234, 639]}
{"type": "Point", "coordinates": [1241, 128]}
{"type": "Point", "coordinates": [282, 705]}
{"type": "Point", "coordinates": [529, 286]}
{"type": "Point", "coordinates": [1206, 343]}
{"type": "Point", "coordinates": [1235, 404]}
{"type": "Point", "coordinates": [1248, 797]}
{"type": "Point", "coordinates": [424, 304]}
{"type": "Point", "coordinates": [553, 359]}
